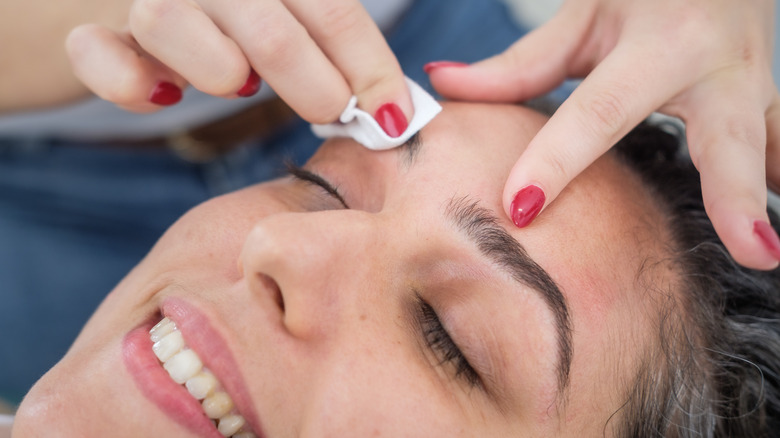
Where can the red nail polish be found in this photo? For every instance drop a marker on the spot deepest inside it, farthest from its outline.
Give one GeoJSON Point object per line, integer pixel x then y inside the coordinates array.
{"type": "Point", "coordinates": [527, 204]}
{"type": "Point", "coordinates": [431, 66]}
{"type": "Point", "coordinates": [391, 119]}
{"type": "Point", "coordinates": [768, 237]}
{"type": "Point", "coordinates": [252, 85]}
{"type": "Point", "coordinates": [166, 94]}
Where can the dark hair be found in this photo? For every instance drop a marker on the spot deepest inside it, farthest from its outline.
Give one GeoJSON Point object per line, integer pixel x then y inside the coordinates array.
{"type": "Point", "coordinates": [717, 371]}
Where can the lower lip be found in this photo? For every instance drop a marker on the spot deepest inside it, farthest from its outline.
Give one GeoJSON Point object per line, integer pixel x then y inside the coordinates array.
{"type": "Point", "coordinates": [159, 388]}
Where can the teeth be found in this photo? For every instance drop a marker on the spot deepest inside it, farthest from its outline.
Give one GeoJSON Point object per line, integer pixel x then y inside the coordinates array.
{"type": "Point", "coordinates": [202, 385]}
{"type": "Point", "coordinates": [161, 329]}
{"type": "Point", "coordinates": [167, 346]}
{"type": "Point", "coordinates": [217, 405]}
{"type": "Point", "coordinates": [230, 424]}
{"type": "Point", "coordinates": [185, 367]}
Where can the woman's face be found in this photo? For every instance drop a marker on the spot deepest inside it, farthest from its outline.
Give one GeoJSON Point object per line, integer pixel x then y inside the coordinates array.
{"type": "Point", "coordinates": [419, 311]}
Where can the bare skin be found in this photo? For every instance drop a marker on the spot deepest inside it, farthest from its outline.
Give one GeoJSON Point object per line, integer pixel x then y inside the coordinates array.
{"type": "Point", "coordinates": [318, 305]}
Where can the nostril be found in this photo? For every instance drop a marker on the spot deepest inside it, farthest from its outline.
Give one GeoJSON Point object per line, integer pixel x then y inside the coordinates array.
{"type": "Point", "coordinates": [272, 287]}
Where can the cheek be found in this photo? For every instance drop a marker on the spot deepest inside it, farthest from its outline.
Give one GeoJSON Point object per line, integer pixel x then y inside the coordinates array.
{"type": "Point", "coordinates": [211, 235]}
{"type": "Point", "coordinates": [376, 391]}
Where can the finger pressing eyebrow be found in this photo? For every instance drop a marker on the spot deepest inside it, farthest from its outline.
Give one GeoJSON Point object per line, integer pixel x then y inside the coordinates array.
{"type": "Point", "coordinates": [493, 241]}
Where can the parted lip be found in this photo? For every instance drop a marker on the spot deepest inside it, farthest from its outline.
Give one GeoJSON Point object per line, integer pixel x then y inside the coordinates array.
{"type": "Point", "coordinates": [173, 399]}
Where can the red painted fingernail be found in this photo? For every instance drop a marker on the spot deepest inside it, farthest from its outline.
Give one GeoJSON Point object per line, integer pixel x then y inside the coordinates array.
{"type": "Point", "coordinates": [252, 85]}
{"type": "Point", "coordinates": [768, 237]}
{"type": "Point", "coordinates": [391, 119]}
{"type": "Point", "coordinates": [431, 66]}
{"type": "Point", "coordinates": [166, 94]}
{"type": "Point", "coordinates": [526, 206]}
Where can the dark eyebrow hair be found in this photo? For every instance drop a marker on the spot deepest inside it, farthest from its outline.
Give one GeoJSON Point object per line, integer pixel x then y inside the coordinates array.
{"type": "Point", "coordinates": [410, 148]}
{"type": "Point", "coordinates": [493, 241]}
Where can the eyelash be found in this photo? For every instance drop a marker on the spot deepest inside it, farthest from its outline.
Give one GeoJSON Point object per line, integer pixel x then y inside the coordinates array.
{"type": "Point", "coordinates": [312, 178]}
{"type": "Point", "coordinates": [443, 346]}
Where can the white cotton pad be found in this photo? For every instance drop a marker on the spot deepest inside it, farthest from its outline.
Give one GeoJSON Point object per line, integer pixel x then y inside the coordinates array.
{"type": "Point", "coordinates": [361, 126]}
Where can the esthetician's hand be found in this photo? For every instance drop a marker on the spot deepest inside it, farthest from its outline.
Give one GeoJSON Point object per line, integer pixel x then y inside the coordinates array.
{"type": "Point", "coordinates": [705, 61]}
{"type": "Point", "coordinates": [314, 53]}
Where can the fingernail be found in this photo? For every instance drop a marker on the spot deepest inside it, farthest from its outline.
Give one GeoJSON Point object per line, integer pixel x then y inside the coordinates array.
{"type": "Point", "coordinates": [252, 85]}
{"type": "Point", "coordinates": [166, 94]}
{"type": "Point", "coordinates": [768, 237]}
{"type": "Point", "coordinates": [431, 66]}
{"type": "Point", "coordinates": [391, 119]}
{"type": "Point", "coordinates": [526, 206]}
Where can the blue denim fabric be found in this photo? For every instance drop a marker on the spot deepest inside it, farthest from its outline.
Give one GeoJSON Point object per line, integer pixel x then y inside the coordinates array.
{"type": "Point", "coordinates": [75, 218]}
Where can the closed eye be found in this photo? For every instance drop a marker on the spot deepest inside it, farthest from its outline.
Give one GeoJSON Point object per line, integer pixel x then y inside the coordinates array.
{"type": "Point", "coordinates": [313, 178]}
{"type": "Point", "coordinates": [437, 338]}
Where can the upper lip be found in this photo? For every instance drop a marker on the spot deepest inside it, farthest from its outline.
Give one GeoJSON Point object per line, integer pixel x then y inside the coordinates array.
{"type": "Point", "coordinates": [206, 341]}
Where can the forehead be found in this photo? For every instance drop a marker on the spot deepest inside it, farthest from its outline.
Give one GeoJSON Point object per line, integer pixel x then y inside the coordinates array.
{"type": "Point", "coordinates": [603, 215]}
{"type": "Point", "coordinates": [470, 149]}
{"type": "Point", "coordinates": [593, 239]}
{"type": "Point", "coordinates": [467, 150]}
{"type": "Point", "coordinates": [481, 139]}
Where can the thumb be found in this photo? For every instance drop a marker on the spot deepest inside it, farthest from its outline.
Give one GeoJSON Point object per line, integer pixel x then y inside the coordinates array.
{"type": "Point", "coordinates": [532, 66]}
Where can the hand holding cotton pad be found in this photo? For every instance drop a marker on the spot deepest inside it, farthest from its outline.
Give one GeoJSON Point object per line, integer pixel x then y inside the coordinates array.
{"type": "Point", "coordinates": [361, 126]}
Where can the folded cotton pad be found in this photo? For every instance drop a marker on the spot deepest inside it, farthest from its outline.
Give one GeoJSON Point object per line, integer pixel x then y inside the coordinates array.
{"type": "Point", "coordinates": [362, 127]}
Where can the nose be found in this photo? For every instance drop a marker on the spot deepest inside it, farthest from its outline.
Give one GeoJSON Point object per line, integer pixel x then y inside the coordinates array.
{"type": "Point", "coordinates": [318, 262]}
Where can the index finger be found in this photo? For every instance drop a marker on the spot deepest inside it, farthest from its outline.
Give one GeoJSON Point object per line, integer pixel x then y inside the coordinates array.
{"type": "Point", "coordinates": [629, 84]}
{"type": "Point", "coordinates": [352, 41]}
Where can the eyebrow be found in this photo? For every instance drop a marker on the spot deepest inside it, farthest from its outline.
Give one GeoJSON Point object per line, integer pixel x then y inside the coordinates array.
{"type": "Point", "coordinates": [495, 243]}
{"type": "Point", "coordinates": [410, 149]}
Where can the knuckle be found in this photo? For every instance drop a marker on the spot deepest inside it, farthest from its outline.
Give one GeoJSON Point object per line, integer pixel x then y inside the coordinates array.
{"type": "Point", "coordinates": [606, 113]}
{"type": "Point", "coordinates": [747, 54]}
{"type": "Point", "coordinates": [693, 20]}
{"type": "Point", "coordinates": [732, 136]}
{"type": "Point", "coordinates": [273, 44]}
{"type": "Point", "coordinates": [145, 15]}
{"type": "Point", "coordinates": [696, 26]}
{"type": "Point", "coordinates": [339, 19]}
{"type": "Point", "coordinates": [78, 41]}
{"type": "Point", "coordinates": [750, 54]}
{"type": "Point", "coordinates": [742, 134]}
{"type": "Point", "coordinates": [556, 165]}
